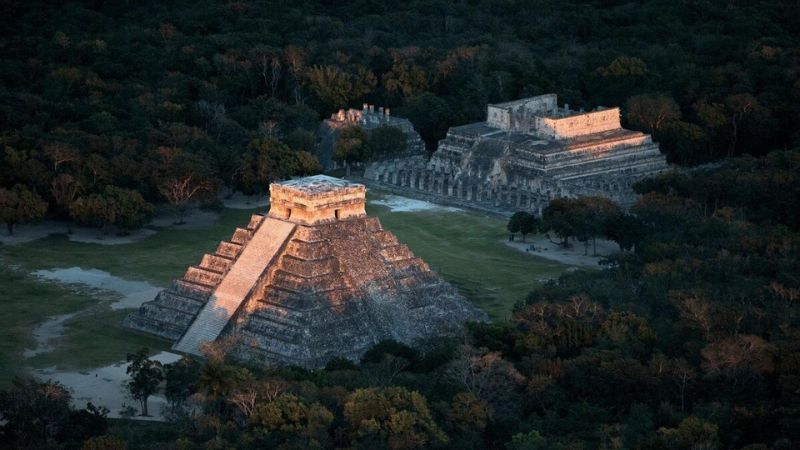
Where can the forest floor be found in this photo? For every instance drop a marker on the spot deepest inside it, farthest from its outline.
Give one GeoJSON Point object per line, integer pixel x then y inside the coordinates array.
{"type": "Point", "coordinates": [63, 301]}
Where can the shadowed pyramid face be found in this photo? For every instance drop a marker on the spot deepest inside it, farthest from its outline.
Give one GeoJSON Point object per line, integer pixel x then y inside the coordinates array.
{"type": "Point", "coordinates": [317, 199]}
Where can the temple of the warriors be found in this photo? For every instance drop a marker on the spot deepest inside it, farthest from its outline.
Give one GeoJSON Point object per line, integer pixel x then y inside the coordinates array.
{"type": "Point", "coordinates": [313, 279]}
{"type": "Point", "coordinates": [368, 118]}
{"type": "Point", "coordinates": [527, 152]}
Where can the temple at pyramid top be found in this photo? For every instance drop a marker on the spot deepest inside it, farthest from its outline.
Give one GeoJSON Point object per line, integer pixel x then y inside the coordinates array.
{"type": "Point", "coordinates": [316, 199]}
{"type": "Point", "coordinates": [313, 279]}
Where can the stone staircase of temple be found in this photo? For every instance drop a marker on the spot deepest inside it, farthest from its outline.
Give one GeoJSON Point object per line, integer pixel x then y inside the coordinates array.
{"type": "Point", "coordinates": [174, 308]}
{"type": "Point", "coordinates": [232, 289]}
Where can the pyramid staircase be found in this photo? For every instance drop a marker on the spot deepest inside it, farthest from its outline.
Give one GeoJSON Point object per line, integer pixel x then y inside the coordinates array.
{"type": "Point", "coordinates": [171, 312]}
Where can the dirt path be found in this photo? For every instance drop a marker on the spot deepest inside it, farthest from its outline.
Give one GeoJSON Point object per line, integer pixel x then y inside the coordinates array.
{"type": "Point", "coordinates": [133, 293]}
{"type": "Point", "coordinates": [45, 333]}
{"type": "Point", "coordinates": [572, 256]}
{"type": "Point", "coordinates": [237, 200]}
{"type": "Point", "coordinates": [404, 204]}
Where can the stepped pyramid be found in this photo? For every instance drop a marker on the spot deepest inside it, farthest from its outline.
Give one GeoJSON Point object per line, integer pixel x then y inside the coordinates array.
{"type": "Point", "coordinates": [313, 279]}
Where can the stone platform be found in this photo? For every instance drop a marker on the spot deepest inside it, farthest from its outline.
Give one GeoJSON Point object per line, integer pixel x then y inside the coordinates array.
{"type": "Point", "coordinates": [528, 152]}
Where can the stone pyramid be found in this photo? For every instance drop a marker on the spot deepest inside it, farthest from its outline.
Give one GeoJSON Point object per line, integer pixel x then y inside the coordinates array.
{"type": "Point", "coordinates": [313, 279]}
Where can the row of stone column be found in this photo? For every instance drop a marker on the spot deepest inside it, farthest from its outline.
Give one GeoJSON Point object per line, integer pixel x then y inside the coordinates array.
{"type": "Point", "coordinates": [441, 184]}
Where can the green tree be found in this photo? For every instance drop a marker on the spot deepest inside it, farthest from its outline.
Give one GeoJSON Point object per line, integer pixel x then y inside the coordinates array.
{"type": "Point", "coordinates": [301, 140]}
{"type": "Point", "coordinates": [393, 417]}
{"type": "Point", "coordinates": [691, 434]}
{"type": "Point", "coordinates": [181, 381]}
{"type": "Point", "coordinates": [513, 224]}
{"type": "Point", "coordinates": [105, 443]}
{"type": "Point", "coordinates": [430, 116]}
{"type": "Point", "coordinates": [651, 113]}
{"type": "Point", "coordinates": [20, 205]}
{"type": "Point", "coordinates": [34, 413]}
{"type": "Point", "coordinates": [351, 147]}
{"type": "Point", "coordinates": [624, 229]}
{"type": "Point", "coordinates": [522, 222]}
{"type": "Point", "coordinates": [181, 190]}
{"type": "Point", "coordinates": [265, 161]}
{"type": "Point", "coordinates": [559, 217]}
{"type": "Point", "coordinates": [290, 416]}
{"type": "Point", "coordinates": [386, 141]}
{"type": "Point", "coordinates": [146, 374]}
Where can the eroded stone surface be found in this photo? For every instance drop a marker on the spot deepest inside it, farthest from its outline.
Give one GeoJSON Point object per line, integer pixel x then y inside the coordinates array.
{"type": "Point", "coordinates": [526, 153]}
{"type": "Point", "coordinates": [334, 285]}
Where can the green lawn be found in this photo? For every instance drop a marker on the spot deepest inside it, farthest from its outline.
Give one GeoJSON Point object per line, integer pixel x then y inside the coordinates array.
{"type": "Point", "coordinates": [94, 337]}
{"type": "Point", "coordinates": [157, 259]}
{"type": "Point", "coordinates": [26, 303]}
{"type": "Point", "coordinates": [465, 248]}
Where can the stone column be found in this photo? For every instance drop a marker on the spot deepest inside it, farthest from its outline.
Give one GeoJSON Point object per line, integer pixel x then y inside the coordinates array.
{"type": "Point", "coordinates": [394, 177]}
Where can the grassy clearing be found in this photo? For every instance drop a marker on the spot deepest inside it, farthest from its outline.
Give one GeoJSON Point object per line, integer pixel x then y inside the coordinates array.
{"type": "Point", "coordinates": [157, 259]}
{"type": "Point", "coordinates": [25, 303]}
{"type": "Point", "coordinates": [96, 338]}
{"type": "Point", "coordinates": [465, 248]}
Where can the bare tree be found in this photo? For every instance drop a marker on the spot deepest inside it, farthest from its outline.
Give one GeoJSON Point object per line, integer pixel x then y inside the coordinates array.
{"type": "Point", "coordinates": [179, 191]}
{"type": "Point", "coordinates": [60, 153]}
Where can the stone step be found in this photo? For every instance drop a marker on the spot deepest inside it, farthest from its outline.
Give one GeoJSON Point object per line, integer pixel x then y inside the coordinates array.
{"type": "Point", "coordinates": [193, 290]}
{"type": "Point", "coordinates": [202, 275]}
{"type": "Point", "coordinates": [385, 238]}
{"type": "Point", "coordinates": [161, 313]}
{"type": "Point", "coordinates": [309, 267]}
{"type": "Point", "coordinates": [228, 249]}
{"type": "Point", "coordinates": [315, 285]}
{"type": "Point", "coordinates": [216, 263]}
{"type": "Point", "coordinates": [267, 326]}
{"type": "Point", "coordinates": [396, 253]}
{"type": "Point", "coordinates": [179, 302]}
{"type": "Point", "coordinates": [156, 327]}
{"type": "Point", "coordinates": [308, 251]}
{"type": "Point", "coordinates": [255, 221]}
{"type": "Point", "coordinates": [261, 250]}
{"type": "Point", "coordinates": [241, 236]}
{"type": "Point", "coordinates": [279, 313]}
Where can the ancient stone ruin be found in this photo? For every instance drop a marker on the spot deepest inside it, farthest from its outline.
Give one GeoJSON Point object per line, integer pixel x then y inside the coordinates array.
{"type": "Point", "coordinates": [368, 118]}
{"type": "Point", "coordinates": [526, 153]}
{"type": "Point", "coordinates": [313, 279]}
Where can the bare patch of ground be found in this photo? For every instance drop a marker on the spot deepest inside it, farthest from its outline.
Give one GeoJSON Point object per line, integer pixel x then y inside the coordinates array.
{"type": "Point", "coordinates": [398, 203]}
{"type": "Point", "coordinates": [106, 386]}
{"type": "Point", "coordinates": [541, 246]}
{"type": "Point", "coordinates": [129, 294]}
{"type": "Point", "coordinates": [133, 293]}
{"type": "Point", "coordinates": [45, 333]}
{"type": "Point", "coordinates": [237, 200]}
{"type": "Point", "coordinates": [26, 233]}
{"type": "Point", "coordinates": [194, 219]}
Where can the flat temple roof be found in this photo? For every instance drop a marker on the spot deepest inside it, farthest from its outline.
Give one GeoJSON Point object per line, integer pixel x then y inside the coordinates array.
{"type": "Point", "coordinates": [318, 184]}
